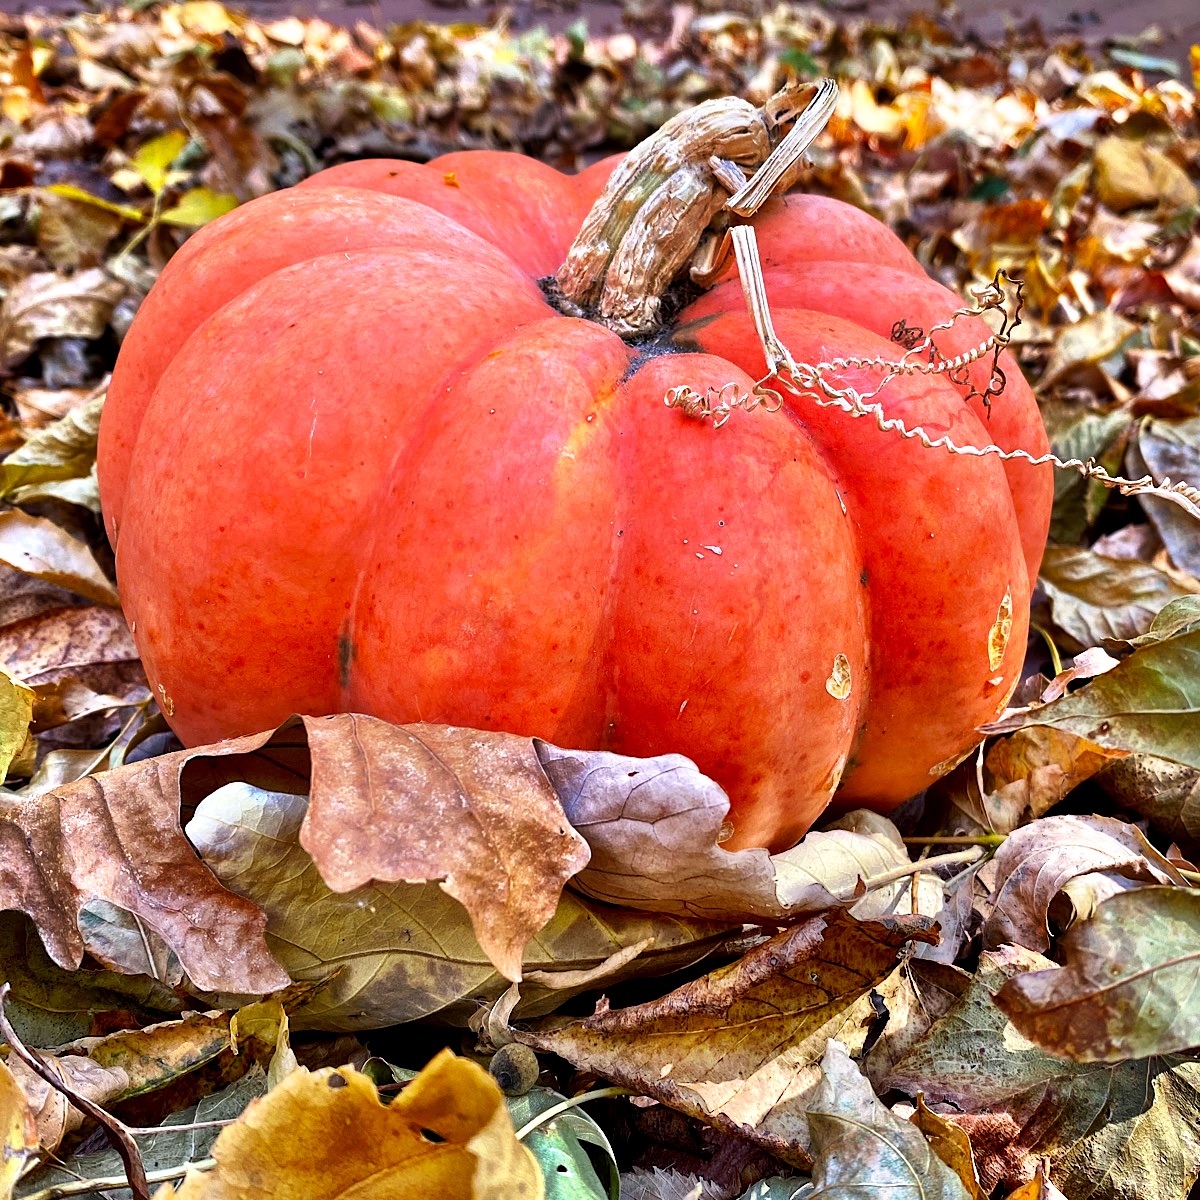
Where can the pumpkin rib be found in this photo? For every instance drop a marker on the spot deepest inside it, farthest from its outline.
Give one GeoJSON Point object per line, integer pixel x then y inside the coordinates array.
{"type": "Point", "coordinates": [234, 565]}
{"type": "Point", "coordinates": [891, 486]}
{"type": "Point", "coordinates": [877, 298]}
{"type": "Point", "coordinates": [221, 266]}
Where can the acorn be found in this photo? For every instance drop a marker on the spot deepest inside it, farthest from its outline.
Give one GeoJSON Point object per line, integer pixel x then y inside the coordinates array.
{"type": "Point", "coordinates": [515, 1068]}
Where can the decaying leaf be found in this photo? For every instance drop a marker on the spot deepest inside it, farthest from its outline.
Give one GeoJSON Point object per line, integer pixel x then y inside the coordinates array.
{"type": "Point", "coordinates": [1165, 792]}
{"type": "Point", "coordinates": [428, 802]}
{"type": "Point", "coordinates": [326, 1134]}
{"type": "Point", "coordinates": [1170, 449]}
{"type": "Point", "coordinates": [654, 828]}
{"type": "Point", "coordinates": [1037, 861]}
{"type": "Point", "coordinates": [1113, 1132]}
{"type": "Point", "coordinates": [861, 1148]}
{"type": "Point", "coordinates": [1127, 986]}
{"type": "Point", "coordinates": [1148, 703]}
{"type": "Point", "coordinates": [402, 951]}
{"type": "Point", "coordinates": [738, 1048]}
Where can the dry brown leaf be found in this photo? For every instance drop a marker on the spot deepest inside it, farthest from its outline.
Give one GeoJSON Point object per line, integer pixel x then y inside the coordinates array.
{"type": "Point", "coordinates": [654, 827]}
{"type": "Point", "coordinates": [44, 305]}
{"type": "Point", "coordinates": [739, 1047]}
{"type": "Point", "coordinates": [40, 548]}
{"type": "Point", "coordinates": [1037, 861]}
{"type": "Point", "coordinates": [53, 1113]}
{"type": "Point", "coordinates": [426, 802]}
{"type": "Point", "coordinates": [1131, 174]}
{"type": "Point", "coordinates": [1034, 769]}
{"type": "Point", "coordinates": [325, 1134]}
{"type": "Point", "coordinates": [418, 803]}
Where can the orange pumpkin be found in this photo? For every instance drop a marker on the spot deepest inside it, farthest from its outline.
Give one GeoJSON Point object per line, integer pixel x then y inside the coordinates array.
{"type": "Point", "coordinates": [353, 459]}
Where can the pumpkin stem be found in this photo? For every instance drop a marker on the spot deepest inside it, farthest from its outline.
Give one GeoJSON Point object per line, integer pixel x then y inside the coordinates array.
{"type": "Point", "coordinates": [671, 199]}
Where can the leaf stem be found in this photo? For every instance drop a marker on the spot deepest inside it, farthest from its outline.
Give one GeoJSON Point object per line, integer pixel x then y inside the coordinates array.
{"type": "Point", "coordinates": [940, 860]}
{"type": "Point", "coordinates": [573, 1102]}
{"type": "Point", "coordinates": [987, 839]}
{"type": "Point", "coordinates": [1055, 658]}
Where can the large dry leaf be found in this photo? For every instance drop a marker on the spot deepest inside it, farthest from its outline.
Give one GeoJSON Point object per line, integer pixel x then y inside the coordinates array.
{"type": "Point", "coordinates": [45, 305]}
{"type": "Point", "coordinates": [404, 952]}
{"type": "Point", "coordinates": [1037, 861]}
{"type": "Point", "coordinates": [470, 812]}
{"type": "Point", "coordinates": [1033, 769]}
{"type": "Point", "coordinates": [40, 548]}
{"type": "Point", "coordinates": [862, 1149]}
{"type": "Point", "coordinates": [1128, 985]}
{"type": "Point", "coordinates": [325, 1134]}
{"type": "Point", "coordinates": [739, 1048]}
{"type": "Point", "coordinates": [1131, 174]}
{"type": "Point", "coordinates": [1093, 597]}
{"type": "Point", "coordinates": [1148, 703]}
{"type": "Point", "coordinates": [1113, 1131]}
{"type": "Point", "coordinates": [430, 802]}
{"type": "Point", "coordinates": [1167, 793]}
{"type": "Point", "coordinates": [654, 827]}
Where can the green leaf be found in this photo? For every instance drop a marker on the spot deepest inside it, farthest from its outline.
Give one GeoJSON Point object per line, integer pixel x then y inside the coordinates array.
{"type": "Point", "coordinates": [64, 450]}
{"type": "Point", "coordinates": [1083, 436]}
{"type": "Point", "coordinates": [1128, 985]}
{"type": "Point", "coordinates": [71, 192]}
{"type": "Point", "coordinates": [559, 1147]}
{"type": "Point", "coordinates": [1093, 597]}
{"type": "Point", "coordinates": [1150, 703]}
{"type": "Point", "coordinates": [155, 157]}
{"type": "Point", "coordinates": [199, 206]}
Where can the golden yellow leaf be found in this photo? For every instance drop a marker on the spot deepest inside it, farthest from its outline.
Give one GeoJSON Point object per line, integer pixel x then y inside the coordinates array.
{"type": "Point", "coordinates": [199, 206]}
{"type": "Point", "coordinates": [325, 1134]}
{"type": "Point", "coordinates": [153, 159]}
{"type": "Point", "coordinates": [18, 1132]}
{"type": "Point", "coordinates": [1130, 174]}
{"type": "Point", "coordinates": [16, 711]}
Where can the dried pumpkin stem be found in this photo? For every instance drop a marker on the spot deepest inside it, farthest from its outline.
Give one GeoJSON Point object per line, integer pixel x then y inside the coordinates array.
{"type": "Point", "coordinates": [723, 156]}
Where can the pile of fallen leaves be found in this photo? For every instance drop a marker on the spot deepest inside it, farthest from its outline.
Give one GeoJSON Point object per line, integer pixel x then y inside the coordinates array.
{"type": "Point", "coordinates": [241, 954]}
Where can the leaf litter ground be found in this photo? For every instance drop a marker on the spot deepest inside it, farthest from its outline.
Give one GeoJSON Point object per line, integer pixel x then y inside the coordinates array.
{"type": "Point", "coordinates": [777, 1019]}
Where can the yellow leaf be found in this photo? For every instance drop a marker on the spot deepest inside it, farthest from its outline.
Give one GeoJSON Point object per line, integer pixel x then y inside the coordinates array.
{"type": "Point", "coordinates": [16, 711]}
{"type": "Point", "coordinates": [1130, 174]}
{"type": "Point", "coordinates": [325, 1134]}
{"type": "Point", "coordinates": [198, 207]}
{"type": "Point", "coordinates": [153, 159]}
{"type": "Point", "coordinates": [18, 1132]}
{"type": "Point", "coordinates": [71, 192]}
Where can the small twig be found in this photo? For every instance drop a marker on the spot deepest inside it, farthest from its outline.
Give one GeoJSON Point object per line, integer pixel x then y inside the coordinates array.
{"type": "Point", "coordinates": [118, 1133]}
{"type": "Point", "coordinates": [885, 877]}
{"type": "Point", "coordinates": [110, 1183]}
{"type": "Point", "coordinates": [987, 839]}
{"type": "Point", "coordinates": [563, 1105]}
{"type": "Point", "coordinates": [154, 1130]}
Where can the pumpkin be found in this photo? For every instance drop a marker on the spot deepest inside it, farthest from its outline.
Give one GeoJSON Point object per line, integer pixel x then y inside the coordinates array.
{"type": "Point", "coordinates": [355, 457]}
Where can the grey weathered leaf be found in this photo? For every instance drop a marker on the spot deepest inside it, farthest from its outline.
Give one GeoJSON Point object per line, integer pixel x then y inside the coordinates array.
{"type": "Point", "coordinates": [1083, 436]}
{"type": "Point", "coordinates": [862, 1149]}
{"type": "Point", "coordinates": [1170, 449]}
{"type": "Point", "coordinates": [1149, 703]}
{"type": "Point", "coordinates": [1093, 598]}
{"type": "Point", "coordinates": [654, 828]}
{"type": "Point", "coordinates": [1167, 793]}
